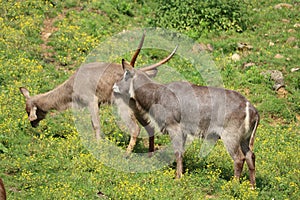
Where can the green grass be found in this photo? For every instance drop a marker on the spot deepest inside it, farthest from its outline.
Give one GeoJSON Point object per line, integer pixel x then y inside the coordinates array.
{"type": "Point", "coordinates": [51, 162]}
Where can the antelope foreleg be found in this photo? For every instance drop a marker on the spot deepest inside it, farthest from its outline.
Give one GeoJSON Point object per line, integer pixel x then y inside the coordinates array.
{"type": "Point", "coordinates": [94, 110]}
{"type": "Point", "coordinates": [150, 131]}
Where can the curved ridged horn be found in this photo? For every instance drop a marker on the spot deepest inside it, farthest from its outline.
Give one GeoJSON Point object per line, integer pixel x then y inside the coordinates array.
{"type": "Point", "coordinates": [160, 62]}
{"type": "Point", "coordinates": [133, 59]}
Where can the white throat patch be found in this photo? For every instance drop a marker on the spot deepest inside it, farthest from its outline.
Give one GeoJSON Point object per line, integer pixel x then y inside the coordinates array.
{"type": "Point", "coordinates": [116, 88]}
{"type": "Point", "coordinates": [131, 90]}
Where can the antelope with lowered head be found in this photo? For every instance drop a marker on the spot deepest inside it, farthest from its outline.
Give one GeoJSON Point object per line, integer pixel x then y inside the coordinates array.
{"type": "Point", "coordinates": [91, 85]}
{"type": "Point", "coordinates": [182, 108]}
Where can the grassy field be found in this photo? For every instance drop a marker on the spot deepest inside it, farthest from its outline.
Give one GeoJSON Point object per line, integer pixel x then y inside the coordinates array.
{"type": "Point", "coordinates": [43, 42]}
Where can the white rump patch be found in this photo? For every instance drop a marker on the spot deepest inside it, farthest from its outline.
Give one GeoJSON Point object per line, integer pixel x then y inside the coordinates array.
{"type": "Point", "coordinates": [247, 118]}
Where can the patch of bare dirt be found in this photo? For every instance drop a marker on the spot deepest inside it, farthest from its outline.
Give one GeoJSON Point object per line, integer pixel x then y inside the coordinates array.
{"type": "Point", "coordinates": [47, 30]}
{"type": "Point", "coordinates": [276, 120]}
{"type": "Point", "coordinates": [283, 5]}
{"type": "Point", "coordinates": [298, 118]}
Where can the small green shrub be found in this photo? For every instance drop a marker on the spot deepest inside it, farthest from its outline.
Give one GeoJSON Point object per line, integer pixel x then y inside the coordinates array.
{"type": "Point", "coordinates": [196, 17]}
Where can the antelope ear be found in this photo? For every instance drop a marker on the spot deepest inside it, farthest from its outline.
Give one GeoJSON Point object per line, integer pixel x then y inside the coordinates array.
{"type": "Point", "coordinates": [126, 65]}
{"type": "Point", "coordinates": [25, 92]}
{"type": "Point", "coordinates": [152, 73]}
{"type": "Point", "coordinates": [32, 115]}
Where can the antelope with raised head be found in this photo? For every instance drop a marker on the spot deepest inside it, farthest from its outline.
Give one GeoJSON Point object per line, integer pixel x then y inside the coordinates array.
{"type": "Point", "coordinates": [182, 108]}
{"type": "Point", "coordinates": [91, 85]}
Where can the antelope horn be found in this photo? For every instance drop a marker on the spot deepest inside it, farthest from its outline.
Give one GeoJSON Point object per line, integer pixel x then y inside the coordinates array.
{"type": "Point", "coordinates": [133, 59]}
{"type": "Point", "coordinates": [159, 63]}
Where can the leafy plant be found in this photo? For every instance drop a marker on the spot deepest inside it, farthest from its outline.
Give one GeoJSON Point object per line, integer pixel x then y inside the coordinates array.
{"type": "Point", "coordinates": [198, 17]}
